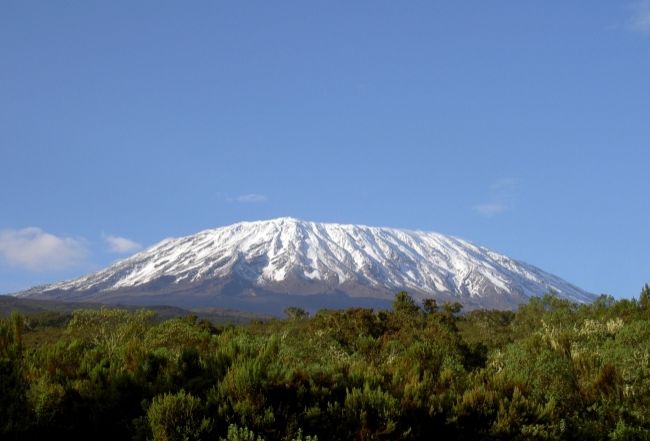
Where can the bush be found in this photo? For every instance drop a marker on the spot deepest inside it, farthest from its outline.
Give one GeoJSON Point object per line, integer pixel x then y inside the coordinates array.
{"type": "Point", "coordinates": [177, 417]}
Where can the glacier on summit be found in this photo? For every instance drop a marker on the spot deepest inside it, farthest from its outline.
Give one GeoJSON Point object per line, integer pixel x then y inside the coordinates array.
{"type": "Point", "coordinates": [294, 258]}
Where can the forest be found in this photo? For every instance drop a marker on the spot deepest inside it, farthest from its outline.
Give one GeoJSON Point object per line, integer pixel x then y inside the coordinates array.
{"type": "Point", "coordinates": [550, 370]}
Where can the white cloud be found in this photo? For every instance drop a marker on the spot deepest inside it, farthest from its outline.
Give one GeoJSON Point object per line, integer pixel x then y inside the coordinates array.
{"type": "Point", "coordinates": [640, 18]}
{"type": "Point", "coordinates": [121, 245]}
{"type": "Point", "coordinates": [503, 187]}
{"type": "Point", "coordinates": [252, 198]}
{"type": "Point", "coordinates": [500, 199]}
{"type": "Point", "coordinates": [490, 209]}
{"type": "Point", "coordinates": [36, 250]}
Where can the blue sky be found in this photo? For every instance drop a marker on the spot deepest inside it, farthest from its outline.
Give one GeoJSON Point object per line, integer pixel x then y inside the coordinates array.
{"type": "Point", "coordinates": [521, 126]}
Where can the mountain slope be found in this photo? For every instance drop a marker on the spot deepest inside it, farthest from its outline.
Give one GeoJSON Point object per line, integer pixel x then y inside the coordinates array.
{"type": "Point", "coordinates": [289, 257]}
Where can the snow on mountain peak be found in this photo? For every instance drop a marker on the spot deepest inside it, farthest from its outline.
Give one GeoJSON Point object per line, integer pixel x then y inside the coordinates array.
{"type": "Point", "coordinates": [286, 250]}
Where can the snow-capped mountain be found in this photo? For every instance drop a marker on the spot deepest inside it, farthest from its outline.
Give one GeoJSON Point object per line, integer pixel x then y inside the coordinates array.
{"type": "Point", "coordinates": [289, 261]}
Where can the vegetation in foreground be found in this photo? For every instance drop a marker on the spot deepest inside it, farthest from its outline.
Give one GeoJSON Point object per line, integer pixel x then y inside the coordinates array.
{"type": "Point", "coordinates": [552, 370]}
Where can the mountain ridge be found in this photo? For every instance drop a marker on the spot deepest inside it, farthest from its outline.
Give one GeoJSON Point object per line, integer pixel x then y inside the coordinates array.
{"type": "Point", "coordinates": [295, 258]}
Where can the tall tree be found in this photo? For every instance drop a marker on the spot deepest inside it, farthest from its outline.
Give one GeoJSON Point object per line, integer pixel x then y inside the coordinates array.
{"type": "Point", "coordinates": [644, 297]}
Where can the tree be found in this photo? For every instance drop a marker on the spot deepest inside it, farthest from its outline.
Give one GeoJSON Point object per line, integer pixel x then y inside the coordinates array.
{"type": "Point", "coordinates": [430, 305]}
{"type": "Point", "coordinates": [177, 417]}
{"type": "Point", "coordinates": [403, 304]}
{"type": "Point", "coordinates": [236, 433]}
{"type": "Point", "coordinates": [295, 313]}
{"type": "Point", "coordinates": [13, 386]}
{"type": "Point", "coordinates": [644, 297]}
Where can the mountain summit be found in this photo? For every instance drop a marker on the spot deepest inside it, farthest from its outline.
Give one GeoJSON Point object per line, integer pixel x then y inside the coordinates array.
{"type": "Point", "coordinates": [274, 263]}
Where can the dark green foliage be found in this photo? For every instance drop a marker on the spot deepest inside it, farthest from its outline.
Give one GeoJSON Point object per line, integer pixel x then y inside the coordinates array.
{"type": "Point", "coordinates": [14, 406]}
{"type": "Point", "coordinates": [552, 370]}
{"type": "Point", "coordinates": [405, 305]}
{"type": "Point", "coordinates": [644, 297]}
{"type": "Point", "coordinates": [295, 313]}
{"type": "Point", "coordinates": [177, 417]}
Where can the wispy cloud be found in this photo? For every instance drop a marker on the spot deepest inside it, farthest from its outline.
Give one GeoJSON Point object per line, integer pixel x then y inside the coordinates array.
{"type": "Point", "coordinates": [36, 250]}
{"type": "Point", "coordinates": [489, 209]}
{"type": "Point", "coordinates": [500, 198]}
{"type": "Point", "coordinates": [639, 20]}
{"type": "Point", "coordinates": [121, 245]}
{"type": "Point", "coordinates": [251, 198]}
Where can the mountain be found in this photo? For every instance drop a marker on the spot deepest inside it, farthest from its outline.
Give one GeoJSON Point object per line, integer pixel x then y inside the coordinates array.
{"type": "Point", "coordinates": [268, 265]}
{"type": "Point", "coordinates": [57, 311]}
